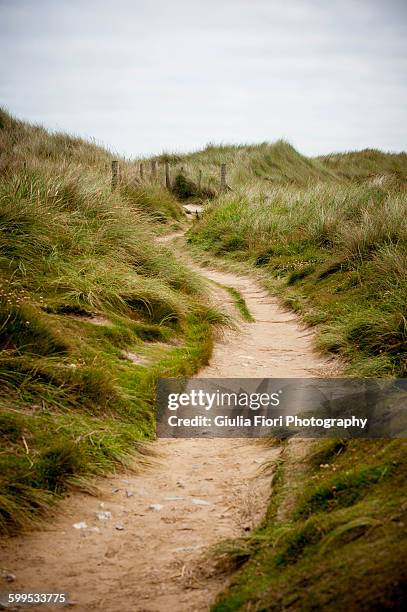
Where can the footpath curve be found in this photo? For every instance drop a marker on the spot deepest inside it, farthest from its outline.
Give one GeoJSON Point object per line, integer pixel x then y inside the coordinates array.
{"type": "Point", "coordinates": [147, 556]}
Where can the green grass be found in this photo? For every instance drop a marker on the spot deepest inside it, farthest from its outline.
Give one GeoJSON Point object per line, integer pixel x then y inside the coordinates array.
{"type": "Point", "coordinates": [73, 253]}
{"type": "Point", "coordinates": [334, 250]}
{"type": "Point", "coordinates": [328, 236]}
{"type": "Point", "coordinates": [344, 542]}
{"type": "Point", "coordinates": [239, 302]}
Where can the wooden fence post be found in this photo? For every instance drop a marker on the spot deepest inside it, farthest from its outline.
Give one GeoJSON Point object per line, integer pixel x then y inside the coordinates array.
{"type": "Point", "coordinates": [199, 180]}
{"type": "Point", "coordinates": [141, 171]}
{"type": "Point", "coordinates": [153, 169]}
{"type": "Point", "coordinates": [167, 175]}
{"type": "Point", "coordinates": [223, 177]}
{"type": "Point", "coordinates": [115, 172]}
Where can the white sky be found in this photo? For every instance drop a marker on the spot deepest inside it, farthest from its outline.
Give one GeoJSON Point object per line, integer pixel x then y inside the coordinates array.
{"type": "Point", "coordinates": [146, 76]}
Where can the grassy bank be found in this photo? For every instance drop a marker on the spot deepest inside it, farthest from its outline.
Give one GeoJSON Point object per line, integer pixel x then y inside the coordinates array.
{"type": "Point", "coordinates": [339, 545]}
{"type": "Point", "coordinates": [92, 311]}
{"type": "Point", "coordinates": [330, 239]}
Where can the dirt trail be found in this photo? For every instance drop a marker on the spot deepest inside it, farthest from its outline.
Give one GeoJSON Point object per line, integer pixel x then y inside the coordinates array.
{"type": "Point", "coordinates": [144, 559]}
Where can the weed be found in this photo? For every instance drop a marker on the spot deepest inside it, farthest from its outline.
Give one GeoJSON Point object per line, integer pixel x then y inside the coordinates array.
{"type": "Point", "coordinates": [240, 303]}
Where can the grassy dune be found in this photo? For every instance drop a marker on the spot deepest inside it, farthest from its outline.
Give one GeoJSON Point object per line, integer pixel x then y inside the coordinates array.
{"type": "Point", "coordinates": [330, 236]}
{"type": "Point", "coordinates": [92, 311]}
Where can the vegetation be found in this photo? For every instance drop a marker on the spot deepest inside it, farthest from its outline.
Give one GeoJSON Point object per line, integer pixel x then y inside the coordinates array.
{"type": "Point", "coordinates": [342, 542]}
{"type": "Point", "coordinates": [93, 309]}
{"type": "Point", "coordinates": [329, 236]}
{"type": "Point", "coordinates": [91, 313]}
{"type": "Point", "coordinates": [186, 190]}
{"type": "Point", "coordinates": [240, 303]}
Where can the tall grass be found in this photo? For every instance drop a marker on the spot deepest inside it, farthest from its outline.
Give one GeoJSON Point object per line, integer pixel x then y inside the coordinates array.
{"type": "Point", "coordinates": [73, 253]}
{"type": "Point", "coordinates": [332, 239]}
{"type": "Point", "coordinates": [329, 236]}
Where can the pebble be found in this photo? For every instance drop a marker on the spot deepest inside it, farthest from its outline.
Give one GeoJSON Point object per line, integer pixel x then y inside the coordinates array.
{"type": "Point", "coordinates": [201, 502]}
{"type": "Point", "coordinates": [10, 577]}
{"type": "Point", "coordinates": [119, 526]}
{"type": "Point", "coordinates": [104, 515]}
{"type": "Point", "coordinates": [81, 525]}
{"type": "Point", "coordinates": [155, 507]}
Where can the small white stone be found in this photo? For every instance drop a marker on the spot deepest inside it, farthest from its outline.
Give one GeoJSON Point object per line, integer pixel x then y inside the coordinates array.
{"type": "Point", "coordinates": [201, 502]}
{"type": "Point", "coordinates": [10, 577]}
{"type": "Point", "coordinates": [103, 515]}
{"type": "Point", "coordinates": [156, 507]}
{"type": "Point", "coordinates": [187, 548]}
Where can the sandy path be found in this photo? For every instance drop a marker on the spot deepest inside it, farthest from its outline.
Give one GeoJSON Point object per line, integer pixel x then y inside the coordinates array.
{"type": "Point", "coordinates": [143, 559]}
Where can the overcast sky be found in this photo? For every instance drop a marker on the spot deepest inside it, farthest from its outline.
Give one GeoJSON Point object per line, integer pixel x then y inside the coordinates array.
{"type": "Point", "coordinates": [146, 76]}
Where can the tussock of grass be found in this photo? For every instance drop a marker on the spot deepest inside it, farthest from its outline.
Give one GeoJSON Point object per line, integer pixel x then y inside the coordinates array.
{"type": "Point", "coordinates": [187, 190]}
{"type": "Point", "coordinates": [240, 303]}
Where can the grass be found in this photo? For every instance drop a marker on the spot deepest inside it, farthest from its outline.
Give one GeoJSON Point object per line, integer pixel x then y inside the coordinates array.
{"type": "Point", "coordinates": [84, 284]}
{"type": "Point", "coordinates": [343, 542]}
{"type": "Point", "coordinates": [329, 237]}
{"type": "Point", "coordinates": [82, 281]}
{"type": "Point", "coordinates": [240, 303]}
{"type": "Point", "coordinates": [331, 241]}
